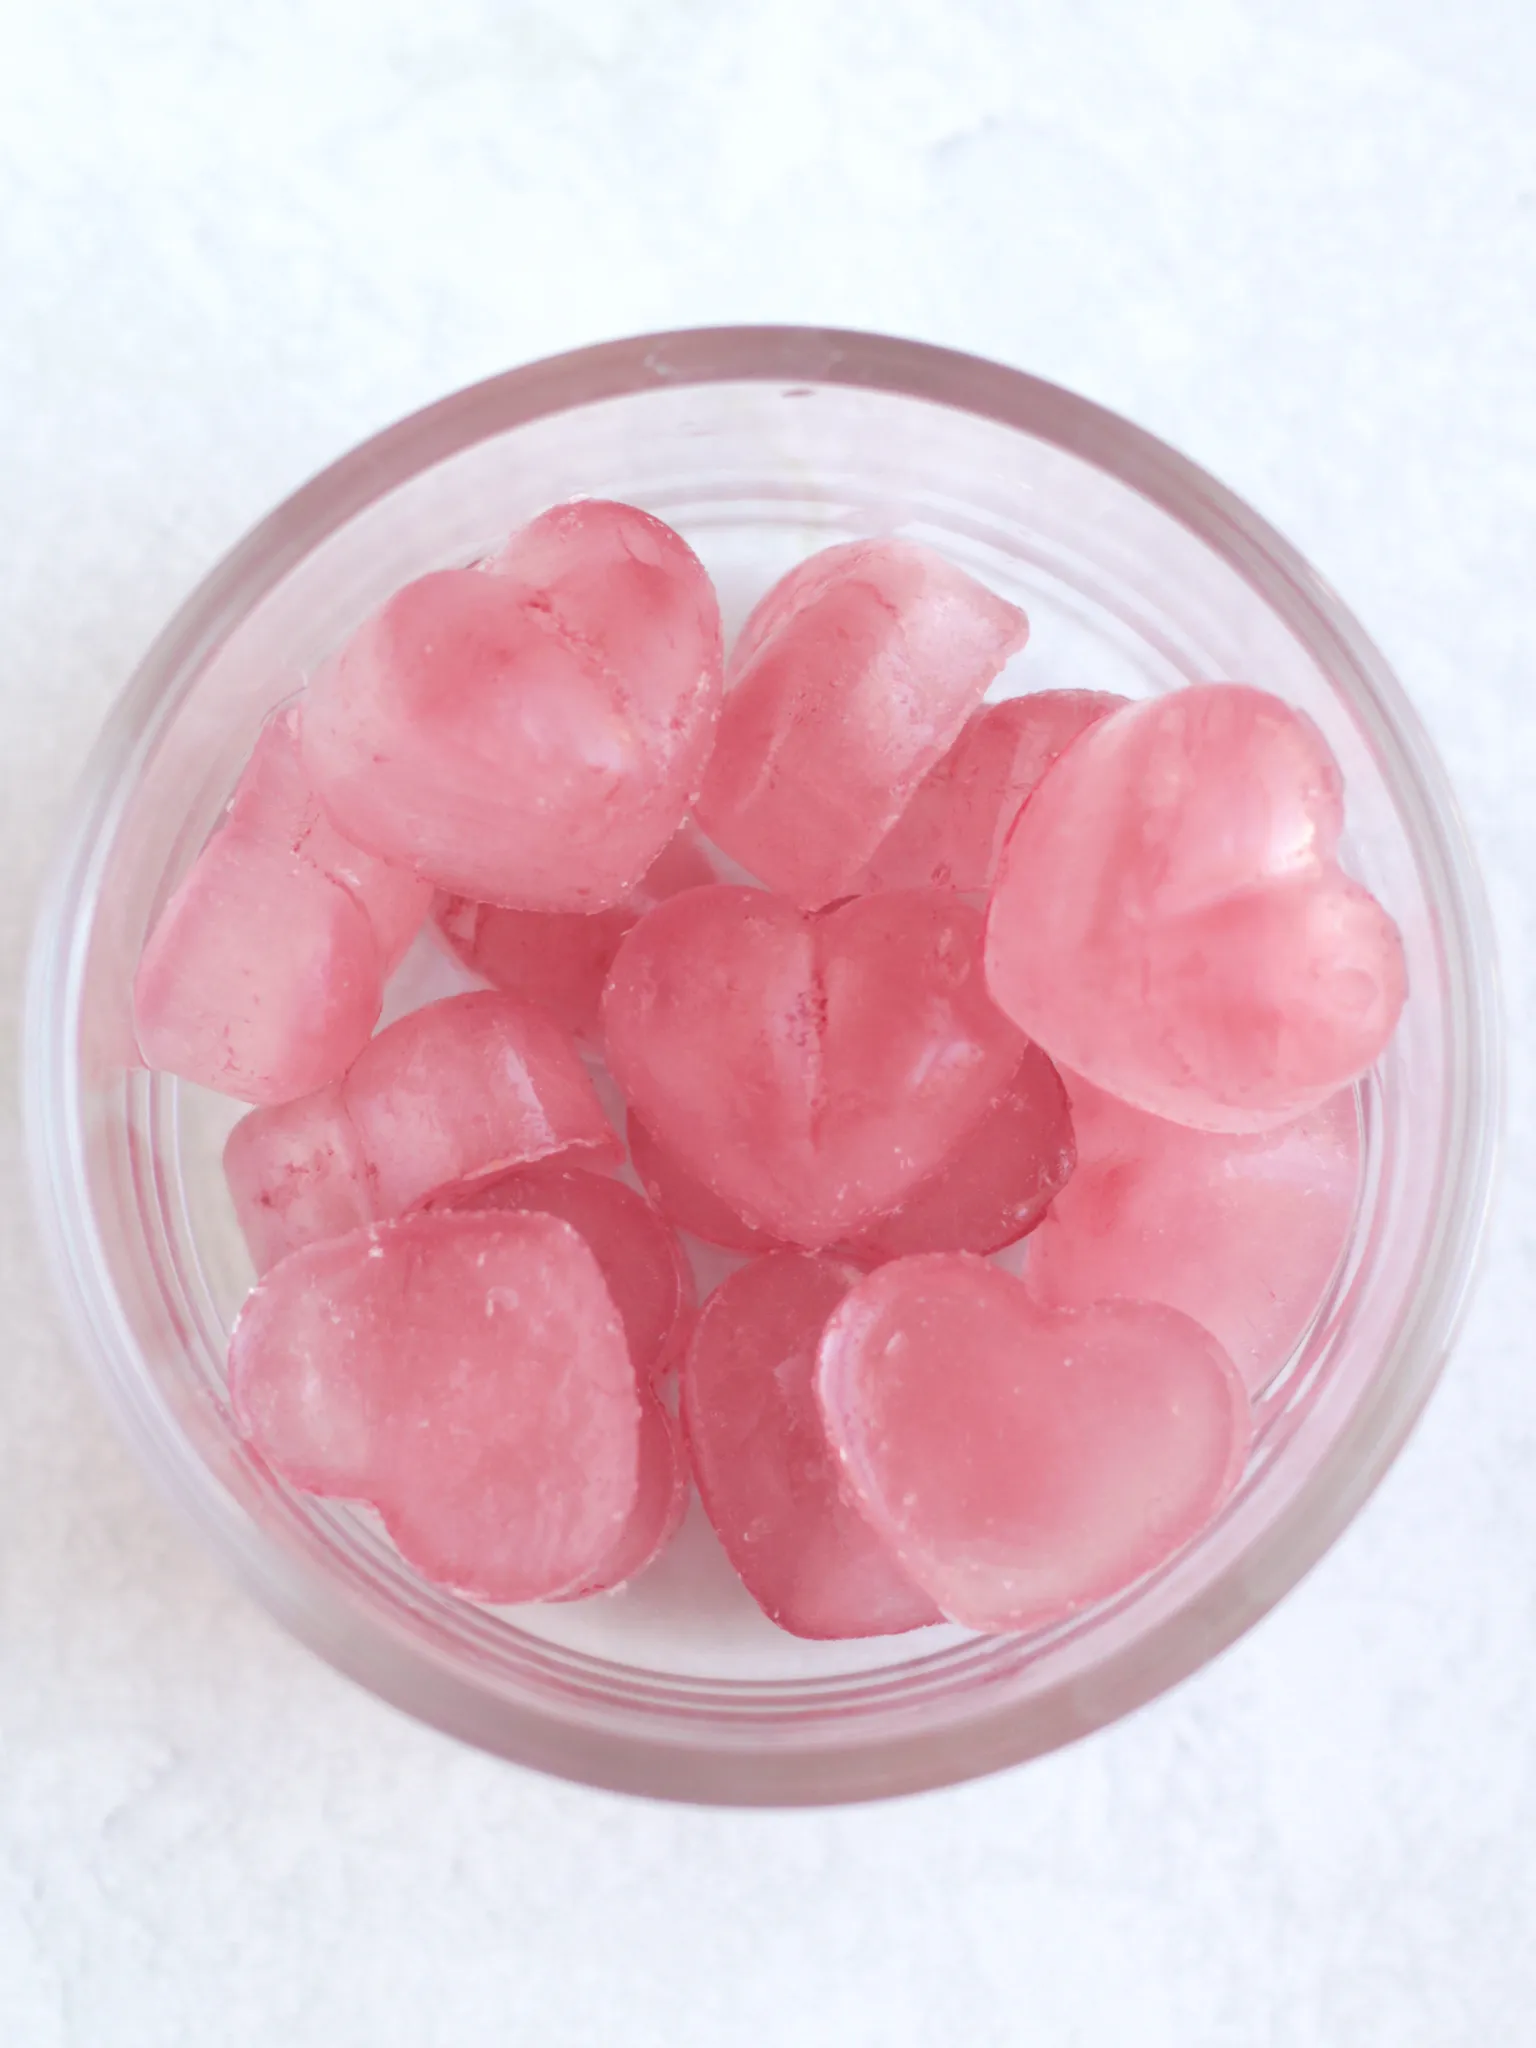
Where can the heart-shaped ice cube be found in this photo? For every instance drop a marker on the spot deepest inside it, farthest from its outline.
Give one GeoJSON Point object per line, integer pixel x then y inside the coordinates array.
{"type": "Point", "coordinates": [811, 1071]}
{"type": "Point", "coordinates": [530, 733]}
{"type": "Point", "coordinates": [466, 1375]}
{"type": "Point", "coordinates": [1023, 1463]}
{"type": "Point", "coordinates": [1170, 919]}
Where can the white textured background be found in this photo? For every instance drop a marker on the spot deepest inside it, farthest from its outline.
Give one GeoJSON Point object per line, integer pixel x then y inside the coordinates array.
{"type": "Point", "coordinates": [1297, 238]}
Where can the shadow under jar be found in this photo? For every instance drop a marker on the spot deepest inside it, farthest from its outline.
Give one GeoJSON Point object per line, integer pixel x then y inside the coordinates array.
{"type": "Point", "coordinates": [1139, 574]}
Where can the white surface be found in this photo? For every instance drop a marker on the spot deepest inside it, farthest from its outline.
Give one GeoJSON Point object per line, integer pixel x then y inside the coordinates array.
{"type": "Point", "coordinates": [1299, 240]}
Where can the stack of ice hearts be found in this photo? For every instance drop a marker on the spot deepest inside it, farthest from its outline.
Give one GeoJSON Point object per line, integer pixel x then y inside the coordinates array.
{"type": "Point", "coordinates": [1057, 967]}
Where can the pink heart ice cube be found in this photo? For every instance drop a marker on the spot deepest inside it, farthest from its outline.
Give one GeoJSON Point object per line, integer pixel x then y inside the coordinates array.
{"type": "Point", "coordinates": [467, 1376]}
{"type": "Point", "coordinates": [530, 733]}
{"type": "Point", "coordinates": [561, 958]}
{"type": "Point", "coordinates": [462, 1090]}
{"type": "Point", "coordinates": [1241, 1232]}
{"type": "Point", "coordinates": [641, 1260]}
{"type": "Point", "coordinates": [850, 680]}
{"type": "Point", "coordinates": [810, 1071]}
{"type": "Point", "coordinates": [1023, 1463]}
{"type": "Point", "coordinates": [262, 976]}
{"type": "Point", "coordinates": [950, 836]}
{"type": "Point", "coordinates": [767, 1479]}
{"type": "Point", "coordinates": [1170, 919]}
{"type": "Point", "coordinates": [264, 973]}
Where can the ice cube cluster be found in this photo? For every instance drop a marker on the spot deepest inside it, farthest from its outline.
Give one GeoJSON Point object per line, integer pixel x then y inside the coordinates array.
{"type": "Point", "coordinates": [1014, 1086]}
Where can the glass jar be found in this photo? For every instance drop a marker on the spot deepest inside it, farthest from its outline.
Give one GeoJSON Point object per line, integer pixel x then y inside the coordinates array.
{"type": "Point", "coordinates": [760, 444]}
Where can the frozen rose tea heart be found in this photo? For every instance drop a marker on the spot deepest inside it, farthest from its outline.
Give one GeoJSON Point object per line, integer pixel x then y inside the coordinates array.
{"type": "Point", "coordinates": [810, 1071]}
{"type": "Point", "coordinates": [1241, 1232]}
{"type": "Point", "coordinates": [530, 733]}
{"type": "Point", "coordinates": [850, 680]}
{"type": "Point", "coordinates": [641, 1260]}
{"type": "Point", "coordinates": [768, 1480]}
{"type": "Point", "coordinates": [264, 974]}
{"type": "Point", "coordinates": [951, 834]}
{"type": "Point", "coordinates": [460, 1091]}
{"type": "Point", "coordinates": [561, 958]}
{"type": "Point", "coordinates": [1170, 919]}
{"type": "Point", "coordinates": [1023, 1464]}
{"type": "Point", "coordinates": [261, 978]}
{"type": "Point", "coordinates": [466, 1376]}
